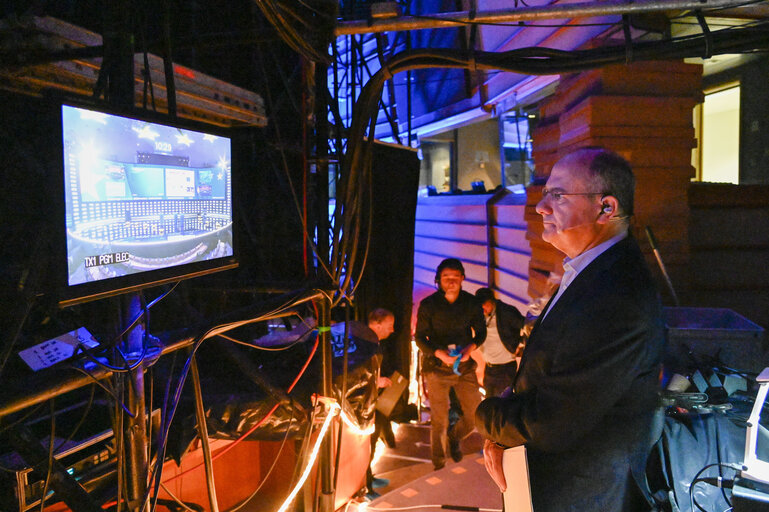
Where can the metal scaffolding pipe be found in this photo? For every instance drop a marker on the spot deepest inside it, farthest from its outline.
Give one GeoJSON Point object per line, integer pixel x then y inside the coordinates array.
{"type": "Point", "coordinates": [550, 12]}
{"type": "Point", "coordinates": [200, 415]}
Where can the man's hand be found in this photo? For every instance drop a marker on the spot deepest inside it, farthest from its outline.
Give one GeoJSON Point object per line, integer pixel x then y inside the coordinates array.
{"type": "Point", "coordinates": [383, 382]}
{"type": "Point", "coordinates": [492, 459]}
{"type": "Point", "coordinates": [445, 357]}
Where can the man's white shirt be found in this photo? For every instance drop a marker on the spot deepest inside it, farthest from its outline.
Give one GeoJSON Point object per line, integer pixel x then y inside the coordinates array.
{"type": "Point", "coordinates": [493, 350]}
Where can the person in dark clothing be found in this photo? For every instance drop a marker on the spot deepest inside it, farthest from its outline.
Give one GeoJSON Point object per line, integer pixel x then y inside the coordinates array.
{"type": "Point", "coordinates": [503, 335]}
{"type": "Point", "coordinates": [382, 323]}
{"type": "Point", "coordinates": [584, 400]}
{"type": "Point", "coordinates": [450, 326]}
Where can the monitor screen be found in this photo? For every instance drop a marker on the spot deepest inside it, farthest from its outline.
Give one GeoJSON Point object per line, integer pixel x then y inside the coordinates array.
{"type": "Point", "coordinates": [145, 202]}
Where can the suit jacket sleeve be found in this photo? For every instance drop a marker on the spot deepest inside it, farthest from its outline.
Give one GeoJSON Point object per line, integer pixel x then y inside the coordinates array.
{"type": "Point", "coordinates": [594, 359]}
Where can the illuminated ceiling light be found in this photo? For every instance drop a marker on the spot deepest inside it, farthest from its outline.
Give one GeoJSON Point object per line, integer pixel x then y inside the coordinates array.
{"type": "Point", "coordinates": [333, 411]}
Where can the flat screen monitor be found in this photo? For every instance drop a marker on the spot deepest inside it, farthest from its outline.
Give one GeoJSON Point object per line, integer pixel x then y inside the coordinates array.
{"type": "Point", "coordinates": [146, 201]}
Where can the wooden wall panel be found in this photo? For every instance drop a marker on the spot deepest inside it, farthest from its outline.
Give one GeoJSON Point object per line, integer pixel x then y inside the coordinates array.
{"type": "Point", "coordinates": [650, 79]}
{"type": "Point", "coordinates": [729, 237]}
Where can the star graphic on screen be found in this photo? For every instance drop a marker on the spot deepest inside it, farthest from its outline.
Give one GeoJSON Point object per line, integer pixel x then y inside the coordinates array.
{"type": "Point", "coordinates": [146, 132]}
{"type": "Point", "coordinates": [220, 176]}
{"type": "Point", "coordinates": [222, 164]}
{"type": "Point", "coordinates": [209, 137]}
{"type": "Point", "coordinates": [184, 139]}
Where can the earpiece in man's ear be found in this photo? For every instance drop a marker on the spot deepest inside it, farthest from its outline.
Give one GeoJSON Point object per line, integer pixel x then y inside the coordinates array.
{"type": "Point", "coordinates": [606, 208]}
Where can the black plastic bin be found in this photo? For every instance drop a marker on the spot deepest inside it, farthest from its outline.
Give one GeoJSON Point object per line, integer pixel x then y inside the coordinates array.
{"type": "Point", "coordinates": [709, 337]}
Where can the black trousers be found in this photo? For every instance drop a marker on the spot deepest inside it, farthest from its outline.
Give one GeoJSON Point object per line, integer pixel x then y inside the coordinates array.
{"type": "Point", "coordinates": [497, 377]}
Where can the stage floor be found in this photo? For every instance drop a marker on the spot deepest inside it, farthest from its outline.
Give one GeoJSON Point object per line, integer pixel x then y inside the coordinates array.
{"type": "Point", "coordinates": [414, 484]}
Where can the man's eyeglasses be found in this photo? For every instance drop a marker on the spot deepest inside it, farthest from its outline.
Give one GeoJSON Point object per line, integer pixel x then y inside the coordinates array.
{"type": "Point", "coordinates": [556, 195]}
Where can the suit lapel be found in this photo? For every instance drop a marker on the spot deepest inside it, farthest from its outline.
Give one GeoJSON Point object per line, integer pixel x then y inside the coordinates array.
{"type": "Point", "coordinates": [580, 285]}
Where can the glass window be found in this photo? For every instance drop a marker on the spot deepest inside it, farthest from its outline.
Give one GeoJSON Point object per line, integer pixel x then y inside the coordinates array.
{"type": "Point", "coordinates": [516, 147]}
{"type": "Point", "coordinates": [435, 169]}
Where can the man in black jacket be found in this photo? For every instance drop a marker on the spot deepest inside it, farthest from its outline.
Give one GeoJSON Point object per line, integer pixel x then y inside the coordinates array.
{"type": "Point", "coordinates": [584, 399]}
{"type": "Point", "coordinates": [449, 327]}
{"type": "Point", "coordinates": [503, 335]}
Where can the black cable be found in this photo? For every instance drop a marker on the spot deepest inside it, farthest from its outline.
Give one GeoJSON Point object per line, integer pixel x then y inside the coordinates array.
{"type": "Point", "coordinates": [82, 419]}
{"type": "Point", "coordinates": [168, 66]}
{"type": "Point", "coordinates": [144, 313]}
{"type": "Point", "coordinates": [25, 282]}
{"type": "Point", "coordinates": [316, 31]}
{"type": "Point", "coordinates": [708, 52]}
{"type": "Point", "coordinates": [537, 61]}
{"type": "Point", "coordinates": [343, 393]}
{"type": "Point", "coordinates": [147, 73]}
{"type": "Point", "coordinates": [628, 38]}
{"type": "Point", "coordinates": [164, 420]}
{"type": "Point", "coordinates": [119, 434]}
{"type": "Point", "coordinates": [22, 418]}
{"type": "Point", "coordinates": [290, 182]}
{"type": "Point", "coordinates": [110, 392]}
{"type": "Point", "coordinates": [718, 453]}
{"type": "Point", "coordinates": [50, 456]}
{"type": "Point", "coordinates": [140, 315]}
{"type": "Point", "coordinates": [177, 395]}
{"type": "Point", "coordinates": [300, 339]}
{"type": "Point", "coordinates": [697, 479]}
{"type": "Point", "coordinates": [356, 164]}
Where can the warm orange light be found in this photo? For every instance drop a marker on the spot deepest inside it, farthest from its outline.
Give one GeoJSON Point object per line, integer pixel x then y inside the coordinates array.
{"type": "Point", "coordinates": [185, 72]}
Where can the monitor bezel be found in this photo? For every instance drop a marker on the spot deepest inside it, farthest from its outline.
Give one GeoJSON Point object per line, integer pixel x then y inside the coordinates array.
{"type": "Point", "coordinates": [70, 295]}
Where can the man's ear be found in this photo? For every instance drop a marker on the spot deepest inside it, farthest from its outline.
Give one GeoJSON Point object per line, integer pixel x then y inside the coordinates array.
{"type": "Point", "coordinates": [609, 209]}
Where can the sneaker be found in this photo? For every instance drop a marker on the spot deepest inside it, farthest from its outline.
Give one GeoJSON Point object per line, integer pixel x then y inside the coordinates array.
{"type": "Point", "coordinates": [377, 483]}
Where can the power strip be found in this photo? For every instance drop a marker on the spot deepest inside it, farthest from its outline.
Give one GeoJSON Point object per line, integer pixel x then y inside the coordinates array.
{"type": "Point", "coordinates": [50, 352]}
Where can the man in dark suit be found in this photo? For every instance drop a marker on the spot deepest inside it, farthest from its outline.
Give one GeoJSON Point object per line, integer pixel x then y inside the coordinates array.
{"type": "Point", "coordinates": [585, 396]}
{"type": "Point", "coordinates": [503, 335]}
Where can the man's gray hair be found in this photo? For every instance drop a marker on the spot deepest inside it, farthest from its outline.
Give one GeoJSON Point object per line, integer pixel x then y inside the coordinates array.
{"type": "Point", "coordinates": [612, 175]}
